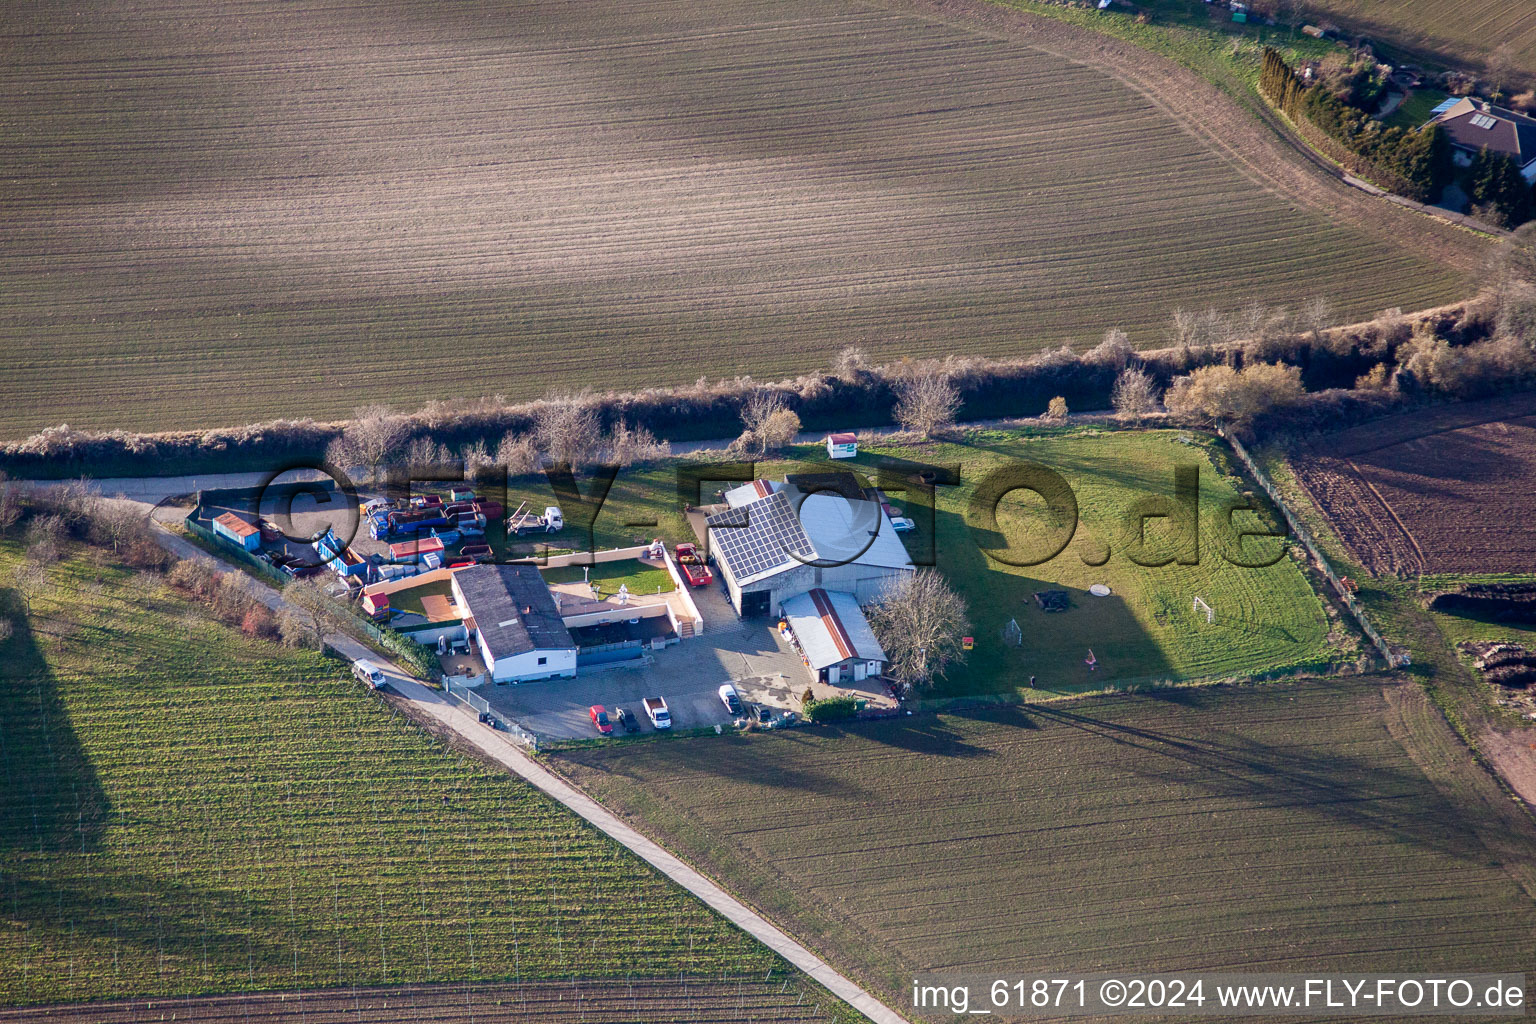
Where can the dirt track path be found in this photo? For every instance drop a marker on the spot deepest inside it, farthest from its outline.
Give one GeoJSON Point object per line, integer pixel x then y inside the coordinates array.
{"type": "Point", "coordinates": [1251, 140]}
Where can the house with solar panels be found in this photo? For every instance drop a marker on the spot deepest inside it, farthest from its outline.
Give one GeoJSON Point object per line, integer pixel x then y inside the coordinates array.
{"type": "Point", "coordinates": [778, 540]}
{"type": "Point", "coordinates": [1473, 125]}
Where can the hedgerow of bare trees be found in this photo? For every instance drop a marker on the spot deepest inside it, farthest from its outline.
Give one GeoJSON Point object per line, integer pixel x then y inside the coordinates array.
{"type": "Point", "coordinates": [375, 436]}
{"type": "Point", "coordinates": [1115, 350]}
{"type": "Point", "coordinates": [627, 445]}
{"type": "Point", "coordinates": [926, 402]}
{"type": "Point", "coordinates": [568, 429]}
{"type": "Point", "coordinates": [851, 364]}
{"type": "Point", "coordinates": [920, 622]}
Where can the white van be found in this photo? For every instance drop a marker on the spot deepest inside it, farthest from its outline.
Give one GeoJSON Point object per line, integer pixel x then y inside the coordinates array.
{"type": "Point", "coordinates": [368, 672]}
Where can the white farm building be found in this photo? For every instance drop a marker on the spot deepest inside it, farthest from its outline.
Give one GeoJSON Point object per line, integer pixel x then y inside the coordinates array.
{"type": "Point", "coordinates": [777, 541]}
{"type": "Point", "coordinates": [512, 619]}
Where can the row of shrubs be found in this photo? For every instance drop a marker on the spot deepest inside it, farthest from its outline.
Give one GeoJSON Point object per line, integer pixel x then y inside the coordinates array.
{"type": "Point", "coordinates": [854, 395]}
{"type": "Point", "coordinates": [1412, 162]}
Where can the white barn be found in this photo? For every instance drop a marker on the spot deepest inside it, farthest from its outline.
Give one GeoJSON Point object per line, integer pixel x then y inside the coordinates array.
{"type": "Point", "coordinates": [513, 621]}
{"type": "Point", "coordinates": [778, 541]}
{"type": "Point", "coordinates": [834, 636]}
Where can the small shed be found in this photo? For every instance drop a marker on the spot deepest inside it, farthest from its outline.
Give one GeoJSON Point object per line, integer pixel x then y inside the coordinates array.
{"type": "Point", "coordinates": [842, 446]}
{"type": "Point", "coordinates": [237, 531]}
{"type": "Point", "coordinates": [376, 605]}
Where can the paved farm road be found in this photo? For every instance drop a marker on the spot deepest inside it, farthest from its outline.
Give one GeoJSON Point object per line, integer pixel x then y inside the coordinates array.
{"type": "Point", "coordinates": [427, 703]}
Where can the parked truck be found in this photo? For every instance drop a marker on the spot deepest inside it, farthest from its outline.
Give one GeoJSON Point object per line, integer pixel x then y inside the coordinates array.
{"type": "Point", "coordinates": [692, 564]}
{"type": "Point", "coordinates": [552, 521]}
{"type": "Point", "coordinates": [656, 711]}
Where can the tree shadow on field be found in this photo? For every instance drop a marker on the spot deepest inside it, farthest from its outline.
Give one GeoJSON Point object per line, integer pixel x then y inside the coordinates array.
{"type": "Point", "coordinates": [918, 734]}
{"type": "Point", "coordinates": [1329, 783]}
{"type": "Point", "coordinates": [149, 913]}
{"type": "Point", "coordinates": [51, 799]}
{"type": "Point", "coordinates": [762, 761]}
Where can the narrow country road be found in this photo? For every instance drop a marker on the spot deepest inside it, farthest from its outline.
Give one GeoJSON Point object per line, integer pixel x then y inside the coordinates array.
{"type": "Point", "coordinates": [427, 704]}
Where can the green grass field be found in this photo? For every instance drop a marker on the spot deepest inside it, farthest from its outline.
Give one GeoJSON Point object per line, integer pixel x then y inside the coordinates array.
{"type": "Point", "coordinates": [1415, 110]}
{"type": "Point", "coordinates": [1147, 631]}
{"type": "Point", "coordinates": [184, 810]}
{"type": "Point", "coordinates": [1290, 827]}
{"type": "Point", "coordinates": [751, 189]}
{"type": "Point", "coordinates": [610, 576]}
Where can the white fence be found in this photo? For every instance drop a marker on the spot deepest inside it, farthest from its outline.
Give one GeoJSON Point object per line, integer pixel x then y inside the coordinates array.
{"type": "Point", "coordinates": [1393, 659]}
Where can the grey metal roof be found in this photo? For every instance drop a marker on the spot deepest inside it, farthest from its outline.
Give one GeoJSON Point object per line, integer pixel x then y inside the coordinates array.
{"type": "Point", "coordinates": [513, 609]}
{"type": "Point", "coordinates": [755, 540]}
{"type": "Point", "coordinates": [831, 628]}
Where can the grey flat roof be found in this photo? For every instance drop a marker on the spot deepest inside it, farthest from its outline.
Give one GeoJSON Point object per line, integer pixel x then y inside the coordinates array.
{"type": "Point", "coordinates": [513, 609]}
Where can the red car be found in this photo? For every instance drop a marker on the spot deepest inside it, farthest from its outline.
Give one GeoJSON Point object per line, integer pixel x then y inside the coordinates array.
{"type": "Point", "coordinates": [599, 716]}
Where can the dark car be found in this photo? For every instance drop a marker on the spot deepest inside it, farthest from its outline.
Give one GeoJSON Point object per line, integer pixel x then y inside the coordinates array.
{"type": "Point", "coordinates": [762, 714]}
{"type": "Point", "coordinates": [626, 720]}
{"type": "Point", "coordinates": [599, 716]}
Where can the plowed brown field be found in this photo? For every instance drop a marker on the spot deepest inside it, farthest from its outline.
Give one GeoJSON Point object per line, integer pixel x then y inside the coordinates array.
{"type": "Point", "coordinates": [1447, 490]}
{"type": "Point", "coordinates": [223, 211]}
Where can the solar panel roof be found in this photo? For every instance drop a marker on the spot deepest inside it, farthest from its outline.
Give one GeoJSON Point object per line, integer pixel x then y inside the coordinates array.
{"type": "Point", "coordinates": [759, 537]}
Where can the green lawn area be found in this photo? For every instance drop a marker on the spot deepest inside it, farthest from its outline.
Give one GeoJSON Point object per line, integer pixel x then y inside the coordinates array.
{"type": "Point", "coordinates": [409, 599]}
{"type": "Point", "coordinates": [1414, 110]}
{"type": "Point", "coordinates": [1266, 618]}
{"type": "Point", "coordinates": [610, 576]}
{"type": "Point", "coordinates": [1331, 825]}
{"type": "Point", "coordinates": [185, 810]}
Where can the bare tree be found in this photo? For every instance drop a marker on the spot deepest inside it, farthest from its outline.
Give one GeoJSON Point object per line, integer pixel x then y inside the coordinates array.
{"type": "Point", "coordinates": [1316, 316]}
{"type": "Point", "coordinates": [306, 616]}
{"type": "Point", "coordinates": [375, 436]}
{"type": "Point", "coordinates": [10, 504]}
{"type": "Point", "coordinates": [757, 407]}
{"type": "Point", "coordinates": [1184, 329]}
{"type": "Point", "coordinates": [117, 521]}
{"type": "Point", "coordinates": [517, 454]}
{"type": "Point", "coordinates": [1057, 409]}
{"type": "Point", "coordinates": [628, 445]}
{"type": "Point", "coordinates": [770, 424]}
{"type": "Point", "coordinates": [1502, 69]}
{"type": "Point", "coordinates": [1135, 394]}
{"type": "Point", "coordinates": [45, 538]}
{"type": "Point", "coordinates": [1115, 350]}
{"type": "Point", "coordinates": [850, 363]}
{"type": "Point", "coordinates": [920, 622]}
{"type": "Point", "coordinates": [926, 403]}
{"type": "Point", "coordinates": [32, 580]}
{"type": "Point", "coordinates": [424, 451]}
{"type": "Point", "coordinates": [568, 429]}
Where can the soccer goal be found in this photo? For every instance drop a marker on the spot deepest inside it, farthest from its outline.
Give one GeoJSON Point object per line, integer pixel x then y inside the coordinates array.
{"type": "Point", "coordinates": [1200, 606]}
{"type": "Point", "coordinates": [1013, 636]}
